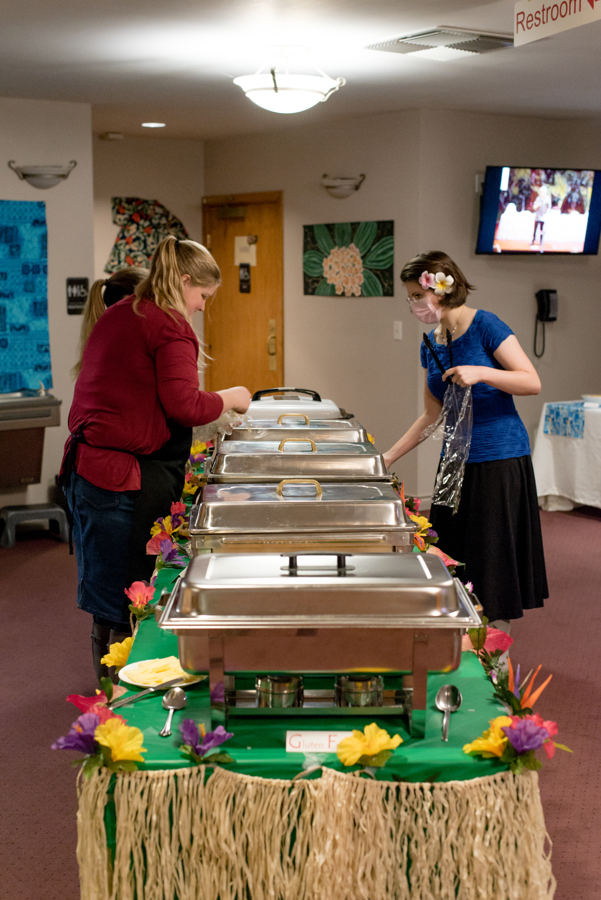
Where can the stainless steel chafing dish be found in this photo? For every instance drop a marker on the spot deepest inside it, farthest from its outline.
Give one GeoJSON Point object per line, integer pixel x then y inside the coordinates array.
{"type": "Point", "coordinates": [268, 461]}
{"type": "Point", "coordinates": [300, 514]}
{"type": "Point", "coordinates": [319, 614]}
{"type": "Point", "coordinates": [299, 425]}
{"type": "Point", "coordinates": [272, 402]}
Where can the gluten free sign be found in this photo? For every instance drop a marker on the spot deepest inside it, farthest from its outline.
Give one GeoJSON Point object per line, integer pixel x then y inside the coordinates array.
{"type": "Point", "coordinates": [536, 19]}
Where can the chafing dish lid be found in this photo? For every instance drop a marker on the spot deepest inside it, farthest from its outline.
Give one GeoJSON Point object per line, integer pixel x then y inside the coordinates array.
{"type": "Point", "coordinates": [261, 460]}
{"type": "Point", "coordinates": [298, 505]}
{"type": "Point", "coordinates": [265, 590]}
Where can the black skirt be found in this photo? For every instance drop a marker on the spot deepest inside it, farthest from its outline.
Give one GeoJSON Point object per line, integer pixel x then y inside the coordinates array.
{"type": "Point", "coordinates": [496, 532]}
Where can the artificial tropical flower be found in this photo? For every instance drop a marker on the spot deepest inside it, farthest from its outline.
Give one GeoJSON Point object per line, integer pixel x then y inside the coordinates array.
{"type": "Point", "coordinates": [81, 736]}
{"type": "Point", "coordinates": [170, 553]}
{"type": "Point", "coordinates": [526, 734]}
{"type": "Point", "coordinates": [427, 280]}
{"type": "Point", "coordinates": [495, 640]}
{"type": "Point", "coordinates": [367, 743]}
{"type": "Point", "coordinates": [118, 654]}
{"type": "Point", "coordinates": [100, 699]}
{"type": "Point", "coordinates": [140, 593]}
{"type": "Point", "coordinates": [153, 547]}
{"type": "Point", "coordinates": [493, 740]}
{"type": "Point", "coordinates": [124, 741]}
{"type": "Point", "coordinates": [198, 742]}
{"type": "Point", "coordinates": [166, 524]}
{"type": "Point", "coordinates": [422, 523]}
{"type": "Point", "coordinates": [444, 284]}
{"type": "Point", "coordinates": [447, 560]}
{"type": "Point", "coordinates": [527, 696]}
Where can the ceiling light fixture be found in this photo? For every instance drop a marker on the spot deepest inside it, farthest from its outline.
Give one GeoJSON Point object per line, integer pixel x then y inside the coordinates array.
{"type": "Point", "coordinates": [286, 92]}
{"type": "Point", "coordinates": [153, 124]}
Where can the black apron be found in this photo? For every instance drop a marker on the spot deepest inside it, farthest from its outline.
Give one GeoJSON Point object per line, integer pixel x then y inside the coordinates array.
{"type": "Point", "coordinates": [162, 476]}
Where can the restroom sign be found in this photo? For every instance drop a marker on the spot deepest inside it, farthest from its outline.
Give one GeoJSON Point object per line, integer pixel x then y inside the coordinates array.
{"type": "Point", "coordinates": [77, 294]}
{"type": "Point", "coordinates": [536, 19]}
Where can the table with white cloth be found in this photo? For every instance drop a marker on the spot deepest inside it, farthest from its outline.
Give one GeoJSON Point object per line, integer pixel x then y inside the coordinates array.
{"type": "Point", "coordinates": [567, 461]}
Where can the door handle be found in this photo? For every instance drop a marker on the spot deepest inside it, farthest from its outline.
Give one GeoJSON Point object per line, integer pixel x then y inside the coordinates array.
{"type": "Point", "coordinates": [272, 345]}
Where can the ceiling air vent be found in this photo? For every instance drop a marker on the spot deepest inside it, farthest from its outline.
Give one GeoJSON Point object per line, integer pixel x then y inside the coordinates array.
{"type": "Point", "coordinates": [461, 40]}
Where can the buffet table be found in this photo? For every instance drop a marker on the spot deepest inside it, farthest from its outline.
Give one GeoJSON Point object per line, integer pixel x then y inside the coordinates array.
{"type": "Point", "coordinates": [567, 467]}
{"type": "Point", "coordinates": [433, 822]}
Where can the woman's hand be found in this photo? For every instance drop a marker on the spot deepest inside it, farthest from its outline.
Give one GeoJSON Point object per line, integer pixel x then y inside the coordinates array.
{"type": "Point", "coordinates": [464, 376]}
{"type": "Point", "coordinates": [236, 398]}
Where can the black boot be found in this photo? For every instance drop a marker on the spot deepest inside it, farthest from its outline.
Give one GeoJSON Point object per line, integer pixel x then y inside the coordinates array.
{"type": "Point", "coordinates": [100, 646]}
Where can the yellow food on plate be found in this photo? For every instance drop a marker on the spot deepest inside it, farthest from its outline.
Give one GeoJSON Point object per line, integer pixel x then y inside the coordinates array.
{"type": "Point", "coordinates": [155, 671]}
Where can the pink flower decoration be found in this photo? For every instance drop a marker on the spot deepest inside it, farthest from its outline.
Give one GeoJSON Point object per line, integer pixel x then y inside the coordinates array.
{"type": "Point", "coordinates": [446, 559]}
{"type": "Point", "coordinates": [497, 640]}
{"type": "Point", "coordinates": [153, 547]}
{"type": "Point", "coordinates": [95, 703]}
{"type": "Point", "coordinates": [177, 509]}
{"type": "Point", "coordinates": [140, 594]}
{"type": "Point", "coordinates": [427, 281]}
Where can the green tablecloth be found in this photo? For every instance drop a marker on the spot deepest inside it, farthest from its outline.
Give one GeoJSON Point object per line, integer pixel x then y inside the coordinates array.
{"type": "Point", "coordinates": [258, 745]}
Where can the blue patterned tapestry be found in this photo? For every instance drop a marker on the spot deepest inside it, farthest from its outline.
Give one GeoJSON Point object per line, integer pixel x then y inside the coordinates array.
{"type": "Point", "coordinates": [565, 419]}
{"type": "Point", "coordinates": [24, 339]}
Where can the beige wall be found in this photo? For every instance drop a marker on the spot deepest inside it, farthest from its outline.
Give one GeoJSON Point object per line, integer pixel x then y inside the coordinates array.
{"type": "Point", "coordinates": [343, 348]}
{"type": "Point", "coordinates": [421, 169]}
{"type": "Point", "coordinates": [38, 132]}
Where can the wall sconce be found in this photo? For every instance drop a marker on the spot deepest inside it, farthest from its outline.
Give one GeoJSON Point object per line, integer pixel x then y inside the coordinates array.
{"type": "Point", "coordinates": [341, 187]}
{"type": "Point", "coordinates": [42, 176]}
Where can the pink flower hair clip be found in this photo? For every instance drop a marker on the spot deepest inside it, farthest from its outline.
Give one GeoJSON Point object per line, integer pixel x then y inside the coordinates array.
{"type": "Point", "coordinates": [427, 281]}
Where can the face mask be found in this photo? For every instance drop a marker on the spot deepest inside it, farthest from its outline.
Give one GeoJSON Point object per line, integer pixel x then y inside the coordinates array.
{"type": "Point", "coordinates": [426, 312]}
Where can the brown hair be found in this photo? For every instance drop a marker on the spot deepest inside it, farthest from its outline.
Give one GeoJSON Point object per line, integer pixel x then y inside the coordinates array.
{"type": "Point", "coordinates": [104, 293]}
{"type": "Point", "coordinates": [436, 261]}
{"type": "Point", "coordinates": [171, 260]}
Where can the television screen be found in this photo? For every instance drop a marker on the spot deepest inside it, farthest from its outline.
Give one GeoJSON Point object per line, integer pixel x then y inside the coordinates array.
{"type": "Point", "coordinates": [540, 211]}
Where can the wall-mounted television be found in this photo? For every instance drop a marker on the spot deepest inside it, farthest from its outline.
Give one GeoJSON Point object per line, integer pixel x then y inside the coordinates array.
{"type": "Point", "coordinates": [540, 211]}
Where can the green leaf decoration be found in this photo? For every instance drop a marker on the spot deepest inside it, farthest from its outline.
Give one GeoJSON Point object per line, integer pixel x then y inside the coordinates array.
{"type": "Point", "coordinates": [365, 235]}
{"type": "Point", "coordinates": [372, 286]}
{"type": "Point", "coordinates": [218, 758]}
{"type": "Point", "coordinates": [563, 747]}
{"type": "Point", "coordinates": [324, 289]}
{"type": "Point", "coordinates": [324, 239]}
{"type": "Point", "coordinates": [376, 761]}
{"type": "Point", "coordinates": [106, 685]}
{"type": "Point", "coordinates": [342, 234]}
{"type": "Point", "coordinates": [381, 256]}
{"type": "Point", "coordinates": [312, 263]}
{"type": "Point", "coordinates": [529, 761]}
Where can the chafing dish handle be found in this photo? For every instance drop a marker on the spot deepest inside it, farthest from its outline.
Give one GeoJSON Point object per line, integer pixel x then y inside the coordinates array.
{"type": "Point", "coordinates": [298, 441]}
{"type": "Point", "coordinates": [314, 395]}
{"type": "Point", "coordinates": [293, 416]}
{"type": "Point", "coordinates": [280, 488]}
{"type": "Point", "coordinates": [341, 565]}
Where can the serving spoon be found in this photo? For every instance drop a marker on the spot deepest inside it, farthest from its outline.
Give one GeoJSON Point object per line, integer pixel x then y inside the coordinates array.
{"type": "Point", "coordinates": [173, 699]}
{"type": "Point", "coordinates": [448, 700]}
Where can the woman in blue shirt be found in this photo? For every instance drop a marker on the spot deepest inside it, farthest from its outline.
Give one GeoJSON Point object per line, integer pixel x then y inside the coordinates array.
{"type": "Point", "coordinates": [496, 530]}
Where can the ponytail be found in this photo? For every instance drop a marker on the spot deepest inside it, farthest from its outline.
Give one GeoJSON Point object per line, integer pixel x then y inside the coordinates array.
{"type": "Point", "coordinates": [104, 293]}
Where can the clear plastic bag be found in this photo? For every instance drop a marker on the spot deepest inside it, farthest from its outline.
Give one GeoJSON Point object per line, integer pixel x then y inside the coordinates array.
{"type": "Point", "coordinates": [454, 427]}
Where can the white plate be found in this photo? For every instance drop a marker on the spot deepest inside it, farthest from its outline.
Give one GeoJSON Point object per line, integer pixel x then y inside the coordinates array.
{"type": "Point", "coordinates": [124, 676]}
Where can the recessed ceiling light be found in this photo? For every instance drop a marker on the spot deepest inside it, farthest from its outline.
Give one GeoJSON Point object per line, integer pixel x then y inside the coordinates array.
{"type": "Point", "coordinates": [442, 54]}
{"type": "Point", "coordinates": [153, 124]}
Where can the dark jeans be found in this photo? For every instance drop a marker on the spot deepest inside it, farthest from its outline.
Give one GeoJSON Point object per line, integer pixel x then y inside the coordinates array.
{"type": "Point", "coordinates": [102, 527]}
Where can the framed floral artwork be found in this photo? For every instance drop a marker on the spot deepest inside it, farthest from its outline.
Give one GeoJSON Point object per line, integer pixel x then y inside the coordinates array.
{"type": "Point", "coordinates": [349, 259]}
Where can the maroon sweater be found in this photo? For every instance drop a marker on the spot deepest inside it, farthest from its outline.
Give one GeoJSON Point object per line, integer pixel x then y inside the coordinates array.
{"type": "Point", "coordinates": [137, 372]}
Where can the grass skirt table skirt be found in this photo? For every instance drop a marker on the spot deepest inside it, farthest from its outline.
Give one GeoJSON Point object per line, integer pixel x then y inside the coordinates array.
{"type": "Point", "coordinates": [198, 834]}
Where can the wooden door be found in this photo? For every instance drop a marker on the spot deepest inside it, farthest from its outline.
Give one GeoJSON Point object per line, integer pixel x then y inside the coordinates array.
{"type": "Point", "coordinates": [243, 331]}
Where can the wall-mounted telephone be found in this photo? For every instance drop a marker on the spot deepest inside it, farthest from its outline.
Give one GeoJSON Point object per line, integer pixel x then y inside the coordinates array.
{"type": "Point", "coordinates": [547, 306]}
{"type": "Point", "coordinates": [546, 311]}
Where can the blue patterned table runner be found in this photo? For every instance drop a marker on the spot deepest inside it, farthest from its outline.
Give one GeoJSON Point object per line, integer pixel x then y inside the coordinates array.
{"type": "Point", "coordinates": [565, 419]}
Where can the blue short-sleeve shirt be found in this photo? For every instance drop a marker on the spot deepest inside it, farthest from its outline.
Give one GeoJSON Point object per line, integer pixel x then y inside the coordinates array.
{"type": "Point", "coordinates": [497, 430]}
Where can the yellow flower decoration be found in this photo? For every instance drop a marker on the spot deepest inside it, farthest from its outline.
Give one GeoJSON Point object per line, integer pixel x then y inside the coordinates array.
{"type": "Point", "coordinates": [369, 742]}
{"type": "Point", "coordinates": [422, 522]}
{"type": "Point", "coordinates": [493, 740]}
{"type": "Point", "coordinates": [197, 447]}
{"type": "Point", "coordinates": [189, 489]}
{"type": "Point", "coordinates": [118, 654]}
{"type": "Point", "coordinates": [166, 526]}
{"type": "Point", "coordinates": [124, 741]}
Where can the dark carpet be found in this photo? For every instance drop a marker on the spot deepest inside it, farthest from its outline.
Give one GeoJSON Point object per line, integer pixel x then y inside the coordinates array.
{"type": "Point", "coordinates": [46, 655]}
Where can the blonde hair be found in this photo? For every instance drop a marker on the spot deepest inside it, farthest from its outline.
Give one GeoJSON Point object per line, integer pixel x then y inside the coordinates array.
{"type": "Point", "coordinates": [171, 260]}
{"type": "Point", "coordinates": [104, 293]}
